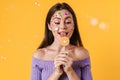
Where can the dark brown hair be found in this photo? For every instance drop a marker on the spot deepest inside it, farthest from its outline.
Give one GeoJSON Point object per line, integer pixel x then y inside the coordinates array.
{"type": "Point", "coordinates": [49, 38]}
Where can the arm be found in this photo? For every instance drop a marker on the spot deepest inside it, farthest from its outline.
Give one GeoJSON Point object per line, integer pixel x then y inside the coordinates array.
{"type": "Point", "coordinates": [36, 71]}
{"type": "Point", "coordinates": [86, 70]}
{"type": "Point", "coordinates": [55, 75]}
{"type": "Point", "coordinates": [57, 71]}
{"type": "Point", "coordinates": [72, 75]}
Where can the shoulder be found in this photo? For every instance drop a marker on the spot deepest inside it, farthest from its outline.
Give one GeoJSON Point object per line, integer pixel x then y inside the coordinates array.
{"type": "Point", "coordinates": [81, 53]}
{"type": "Point", "coordinates": [39, 53]}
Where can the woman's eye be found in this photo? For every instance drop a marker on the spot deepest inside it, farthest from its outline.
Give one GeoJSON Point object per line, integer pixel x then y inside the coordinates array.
{"type": "Point", "coordinates": [57, 23]}
{"type": "Point", "coordinates": [68, 22]}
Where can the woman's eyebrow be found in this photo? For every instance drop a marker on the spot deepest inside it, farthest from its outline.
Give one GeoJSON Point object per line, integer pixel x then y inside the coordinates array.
{"type": "Point", "coordinates": [68, 17]}
{"type": "Point", "coordinates": [56, 18]}
{"type": "Point", "coordinates": [60, 18]}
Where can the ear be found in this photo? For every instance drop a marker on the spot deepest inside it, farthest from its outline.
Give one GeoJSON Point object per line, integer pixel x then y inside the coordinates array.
{"type": "Point", "coordinates": [49, 27]}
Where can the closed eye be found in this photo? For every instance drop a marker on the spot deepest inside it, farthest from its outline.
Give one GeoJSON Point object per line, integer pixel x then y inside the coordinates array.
{"type": "Point", "coordinates": [67, 22]}
{"type": "Point", "coordinates": [57, 23]}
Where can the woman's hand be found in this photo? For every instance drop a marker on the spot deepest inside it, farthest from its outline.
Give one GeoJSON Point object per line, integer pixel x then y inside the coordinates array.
{"type": "Point", "coordinates": [63, 62]}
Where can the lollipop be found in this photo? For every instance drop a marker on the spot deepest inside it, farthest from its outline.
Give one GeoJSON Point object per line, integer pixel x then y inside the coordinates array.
{"type": "Point", "coordinates": [64, 41]}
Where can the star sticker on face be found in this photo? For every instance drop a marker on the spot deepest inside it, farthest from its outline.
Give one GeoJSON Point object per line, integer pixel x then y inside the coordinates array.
{"type": "Point", "coordinates": [66, 13]}
{"type": "Point", "coordinates": [59, 13]}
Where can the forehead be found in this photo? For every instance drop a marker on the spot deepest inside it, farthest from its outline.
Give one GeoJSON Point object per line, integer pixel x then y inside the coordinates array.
{"type": "Point", "coordinates": [62, 14]}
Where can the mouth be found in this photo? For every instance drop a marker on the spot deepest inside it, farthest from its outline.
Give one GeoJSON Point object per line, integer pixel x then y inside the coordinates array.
{"type": "Point", "coordinates": [63, 34]}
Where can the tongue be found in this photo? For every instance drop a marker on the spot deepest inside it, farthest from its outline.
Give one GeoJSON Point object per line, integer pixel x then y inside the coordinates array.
{"type": "Point", "coordinates": [62, 34]}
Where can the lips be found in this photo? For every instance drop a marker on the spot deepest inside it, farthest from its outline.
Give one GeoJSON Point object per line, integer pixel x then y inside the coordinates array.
{"type": "Point", "coordinates": [63, 34]}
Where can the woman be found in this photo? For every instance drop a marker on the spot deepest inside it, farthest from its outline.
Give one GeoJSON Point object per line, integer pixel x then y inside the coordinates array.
{"type": "Point", "coordinates": [52, 61]}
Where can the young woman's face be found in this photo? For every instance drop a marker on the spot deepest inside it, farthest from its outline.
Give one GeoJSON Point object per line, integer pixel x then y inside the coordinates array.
{"type": "Point", "coordinates": [62, 24]}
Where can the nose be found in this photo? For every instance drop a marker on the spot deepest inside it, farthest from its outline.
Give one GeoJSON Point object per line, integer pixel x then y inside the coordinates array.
{"type": "Point", "coordinates": [63, 26]}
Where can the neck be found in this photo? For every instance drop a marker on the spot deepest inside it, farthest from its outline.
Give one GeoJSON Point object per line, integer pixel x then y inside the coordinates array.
{"type": "Point", "coordinates": [56, 46]}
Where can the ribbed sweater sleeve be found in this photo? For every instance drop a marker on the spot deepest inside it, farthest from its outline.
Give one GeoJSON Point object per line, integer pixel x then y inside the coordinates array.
{"type": "Point", "coordinates": [36, 70]}
{"type": "Point", "coordinates": [86, 70]}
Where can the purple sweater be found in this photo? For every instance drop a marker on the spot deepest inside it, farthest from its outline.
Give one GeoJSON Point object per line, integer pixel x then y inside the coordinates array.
{"type": "Point", "coordinates": [42, 69]}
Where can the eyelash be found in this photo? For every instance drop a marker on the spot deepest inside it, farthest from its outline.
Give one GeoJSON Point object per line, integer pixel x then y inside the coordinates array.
{"type": "Point", "coordinates": [67, 22]}
{"type": "Point", "coordinates": [59, 23]}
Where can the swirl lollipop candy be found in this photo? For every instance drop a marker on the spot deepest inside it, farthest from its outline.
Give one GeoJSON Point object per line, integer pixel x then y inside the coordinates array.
{"type": "Point", "coordinates": [64, 41]}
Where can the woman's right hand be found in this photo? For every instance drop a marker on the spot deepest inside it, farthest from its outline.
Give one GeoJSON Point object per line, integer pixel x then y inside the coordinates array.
{"type": "Point", "coordinates": [58, 65]}
{"type": "Point", "coordinates": [61, 62]}
{"type": "Point", "coordinates": [57, 71]}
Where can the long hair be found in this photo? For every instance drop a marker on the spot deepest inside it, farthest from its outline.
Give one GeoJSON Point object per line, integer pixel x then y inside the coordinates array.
{"type": "Point", "coordinates": [48, 36]}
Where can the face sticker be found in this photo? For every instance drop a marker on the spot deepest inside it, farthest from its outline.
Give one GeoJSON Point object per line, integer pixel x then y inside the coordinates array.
{"type": "Point", "coordinates": [59, 13]}
{"type": "Point", "coordinates": [66, 13]}
{"type": "Point", "coordinates": [55, 29]}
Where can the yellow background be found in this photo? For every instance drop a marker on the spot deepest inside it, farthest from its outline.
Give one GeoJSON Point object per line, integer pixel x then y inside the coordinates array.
{"type": "Point", "coordinates": [22, 28]}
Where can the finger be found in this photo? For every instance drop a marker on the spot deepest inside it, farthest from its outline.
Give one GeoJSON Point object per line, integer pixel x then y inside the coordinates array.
{"type": "Point", "coordinates": [61, 59]}
{"type": "Point", "coordinates": [68, 58]}
{"type": "Point", "coordinates": [59, 63]}
{"type": "Point", "coordinates": [63, 55]}
{"type": "Point", "coordinates": [64, 58]}
{"type": "Point", "coordinates": [64, 62]}
{"type": "Point", "coordinates": [66, 54]}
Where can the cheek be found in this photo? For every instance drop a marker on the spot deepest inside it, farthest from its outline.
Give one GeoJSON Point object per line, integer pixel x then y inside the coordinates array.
{"type": "Point", "coordinates": [54, 27]}
{"type": "Point", "coordinates": [71, 27]}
